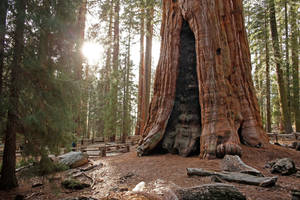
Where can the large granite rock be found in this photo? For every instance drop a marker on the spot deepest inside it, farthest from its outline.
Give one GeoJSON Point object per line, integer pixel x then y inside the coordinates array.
{"type": "Point", "coordinates": [73, 159]}
{"type": "Point", "coordinates": [235, 164]}
{"type": "Point", "coordinates": [284, 166]}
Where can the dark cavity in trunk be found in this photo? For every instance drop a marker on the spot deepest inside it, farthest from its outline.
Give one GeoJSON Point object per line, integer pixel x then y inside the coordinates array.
{"type": "Point", "coordinates": [184, 126]}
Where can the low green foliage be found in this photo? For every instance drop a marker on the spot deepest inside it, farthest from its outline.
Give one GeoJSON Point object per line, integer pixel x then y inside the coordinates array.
{"type": "Point", "coordinates": [74, 184]}
{"type": "Point", "coordinates": [25, 162]}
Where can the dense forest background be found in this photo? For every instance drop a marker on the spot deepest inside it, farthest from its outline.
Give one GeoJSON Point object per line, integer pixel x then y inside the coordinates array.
{"type": "Point", "coordinates": [52, 94]}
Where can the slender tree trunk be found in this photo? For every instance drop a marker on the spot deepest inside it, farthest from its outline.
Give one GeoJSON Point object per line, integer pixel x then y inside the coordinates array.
{"type": "Point", "coordinates": [3, 12]}
{"type": "Point", "coordinates": [126, 111]}
{"type": "Point", "coordinates": [204, 58]}
{"type": "Point", "coordinates": [287, 62]}
{"type": "Point", "coordinates": [268, 85]}
{"type": "Point", "coordinates": [115, 74]}
{"type": "Point", "coordinates": [108, 75]}
{"type": "Point", "coordinates": [124, 101]}
{"type": "Point", "coordinates": [139, 122]}
{"type": "Point", "coordinates": [44, 37]}
{"type": "Point", "coordinates": [8, 176]}
{"type": "Point", "coordinates": [280, 78]}
{"type": "Point", "coordinates": [79, 70]}
{"type": "Point", "coordinates": [108, 51]}
{"type": "Point", "coordinates": [295, 63]}
{"type": "Point", "coordinates": [148, 59]}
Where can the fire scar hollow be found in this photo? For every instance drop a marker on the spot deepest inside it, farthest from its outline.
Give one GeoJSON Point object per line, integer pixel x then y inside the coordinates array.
{"type": "Point", "coordinates": [204, 100]}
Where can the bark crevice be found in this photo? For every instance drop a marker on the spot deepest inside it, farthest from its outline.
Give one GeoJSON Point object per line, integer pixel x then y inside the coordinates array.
{"type": "Point", "coordinates": [183, 130]}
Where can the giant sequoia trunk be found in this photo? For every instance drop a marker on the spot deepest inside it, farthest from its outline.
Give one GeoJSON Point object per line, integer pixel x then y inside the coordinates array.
{"type": "Point", "coordinates": [204, 97]}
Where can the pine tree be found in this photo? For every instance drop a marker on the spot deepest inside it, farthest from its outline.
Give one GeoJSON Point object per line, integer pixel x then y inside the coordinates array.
{"type": "Point", "coordinates": [8, 177]}
{"type": "Point", "coordinates": [295, 62]}
{"type": "Point", "coordinates": [3, 11]}
{"type": "Point", "coordinates": [279, 71]}
{"type": "Point", "coordinates": [140, 118]}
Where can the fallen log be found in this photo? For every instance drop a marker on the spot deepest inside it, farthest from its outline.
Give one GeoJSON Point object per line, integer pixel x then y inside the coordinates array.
{"type": "Point", "coordinates": [24, 167]}
{"type": "Point", "coordinates": [235, 177]}
{"type": "Point", "coordinates": [91, 167]}
{"type": "Point", "coordinates": [217, 191]}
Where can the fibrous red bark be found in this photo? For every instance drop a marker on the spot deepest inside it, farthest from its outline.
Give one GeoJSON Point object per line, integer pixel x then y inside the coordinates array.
{"type": "Point", "coordinates": [203, 88]}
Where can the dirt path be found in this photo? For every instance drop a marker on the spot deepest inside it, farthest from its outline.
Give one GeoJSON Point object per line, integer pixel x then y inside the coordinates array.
{"type": "Point", "coordinates": [127, 170]}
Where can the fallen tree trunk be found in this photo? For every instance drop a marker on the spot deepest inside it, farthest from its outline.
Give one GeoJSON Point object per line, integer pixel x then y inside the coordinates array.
{"type": "Point", "coordinates": [235, 177]}
{"type": "Point", "coordinates": [210, 191]}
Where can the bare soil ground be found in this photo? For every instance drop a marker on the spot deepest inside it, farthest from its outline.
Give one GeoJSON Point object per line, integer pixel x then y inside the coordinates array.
{"type": "Point", "coordinates": [125, 171]}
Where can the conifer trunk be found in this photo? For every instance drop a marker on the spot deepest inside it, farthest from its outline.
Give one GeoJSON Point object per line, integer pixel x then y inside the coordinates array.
{"type": "Point", "coordinates": [79, 70]}
{"type": "Point", "coordinates": [3, 12]}
{"type": "Point", "coordinates": [148, 60]}
{"type": "Point", "coordinates": [204, 58]}
{"type": "Point", "coordinates": [268, 85]}
{"type": "Point", "coordinates": [108, 51]}
{"type": "Point", "coordinates": [126, 111]}
{"type": "Point", "coordinates": [295, 63]}
{"type": "Point", "coordinates": [286, 117]}
{"type": "Point", "coordinates": [115, 74]}
{"type": "Point", "coordinates": [287, 56]}
{"type": "Point", "coordinates": [8, 176]}
{"type": "Point", "coordinates": [139, 123]}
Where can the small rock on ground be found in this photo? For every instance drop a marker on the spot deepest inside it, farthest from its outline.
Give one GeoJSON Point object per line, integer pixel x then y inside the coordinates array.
{"type": "Point", "coordinates": [284, 166]}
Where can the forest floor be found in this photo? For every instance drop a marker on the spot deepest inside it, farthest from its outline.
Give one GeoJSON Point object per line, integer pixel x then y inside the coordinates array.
{"type": "Point", "coordinates": [123, 172]}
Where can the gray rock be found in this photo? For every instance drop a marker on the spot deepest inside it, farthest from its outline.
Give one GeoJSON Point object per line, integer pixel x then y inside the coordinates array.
{"type": "Point", "coordinates": [298, 174]}
{"type": "Point", "coordinates": [73, 159]}
{"type": "Point", "coordinates": [217, 191]}
{"type": "Point", "coordinates": [284, 166]}
{"type": "Point", "coordinates": [295, 194]}
{"type": "Point", "coordinates": [297, 147]}
{"type": "Point", "coordinates": [235, 164]}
